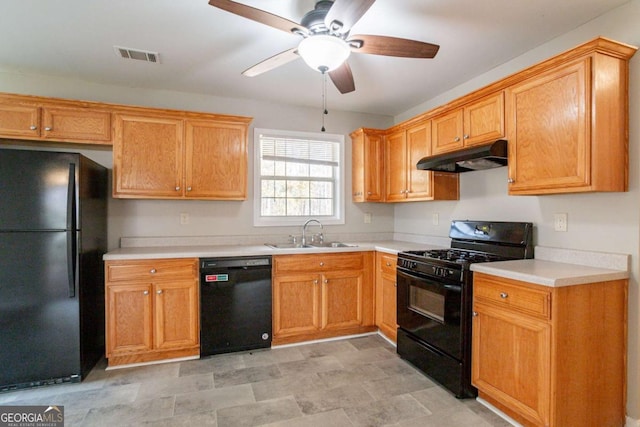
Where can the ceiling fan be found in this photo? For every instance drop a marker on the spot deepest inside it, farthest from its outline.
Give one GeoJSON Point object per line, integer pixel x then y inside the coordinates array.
{"type": "Point", "coordinates": [326, 42]}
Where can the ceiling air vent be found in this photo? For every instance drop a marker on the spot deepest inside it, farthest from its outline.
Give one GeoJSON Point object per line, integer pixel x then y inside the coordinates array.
{"type": "Point", "coordinates": [141, 55]}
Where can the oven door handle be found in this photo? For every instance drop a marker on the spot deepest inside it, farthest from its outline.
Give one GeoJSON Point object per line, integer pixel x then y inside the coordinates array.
{"type": "Point", "coordinates": [454, 288]}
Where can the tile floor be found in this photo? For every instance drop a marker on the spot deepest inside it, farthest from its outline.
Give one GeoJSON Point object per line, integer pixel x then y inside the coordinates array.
{"type": "Point", "coordinates": [353, 382]}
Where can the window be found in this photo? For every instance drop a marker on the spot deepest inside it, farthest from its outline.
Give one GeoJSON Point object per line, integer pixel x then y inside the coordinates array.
{"type": "Point", "coordinates": [298, 175]}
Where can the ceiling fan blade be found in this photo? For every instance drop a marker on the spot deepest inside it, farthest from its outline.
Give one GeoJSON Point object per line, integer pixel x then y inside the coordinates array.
{"type": "Point", "coordinates": [260, 16]}
{"type": "Point", "coordinates": [343, 78]}
{"type": "Point", "coordinates": [392, 46]}
{"type": "Point", "coordinates": [273, 62]}
{"type": "Point", "coordinates": [345, 13]}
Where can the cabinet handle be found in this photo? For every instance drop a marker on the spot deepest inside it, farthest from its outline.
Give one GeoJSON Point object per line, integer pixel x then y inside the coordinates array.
{"type": "Point", "coordinates": [511, 180]}
{"type": "Point", "coordinates": [504, 295]}
{"type": "Point", "coordinates": [395, 284]}
{"type": "Point", "coordinates": [368, 193]}
{"type": "Point", "coordinates": [326, 281]}
{"type": "Point", "coordinates": [159, 291]}
{"type": "Point", "coordinates": [474, 314]}
{"type": "Point", "coordinates": [388, 264]}
{"type": "Point", "coordinates": [33, 127]}
{"type": "Point", "coordinates": [466, 137]}
{"type": "Point", "coordinates": [145, 293]}
{"type": "Point", "coordinates": [321, 264]}
{"type": "Point", "coordinates": [456, 139]}
{"type": "Point", "coordinates": [48, 128]}
{"type": "Point", "coordinates": [315, 282]}
{"type": "Point", "coordinates": [152, 271]}
{"type": "Point", "coordinates": [188, 188]}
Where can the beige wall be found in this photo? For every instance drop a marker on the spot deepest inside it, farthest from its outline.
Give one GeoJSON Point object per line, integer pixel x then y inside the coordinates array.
{"type": "Point", "coordinates": [598, 222]}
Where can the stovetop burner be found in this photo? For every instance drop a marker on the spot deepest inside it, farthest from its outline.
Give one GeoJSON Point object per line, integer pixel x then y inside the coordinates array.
{"type": "Point", "coordinates": [457, 255]}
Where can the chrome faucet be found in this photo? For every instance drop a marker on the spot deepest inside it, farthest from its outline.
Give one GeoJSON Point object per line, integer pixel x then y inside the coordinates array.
{"type": "Point", "coordinates": [304, 230]}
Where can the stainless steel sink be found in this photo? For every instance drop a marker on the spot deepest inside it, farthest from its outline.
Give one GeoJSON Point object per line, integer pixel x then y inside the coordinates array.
{"type": "Point", "coordinates": [288, 246]}
{"type": "Point", "coordinates": [333, 245]}
{"type": "Point", "coordinates": [312, 245]}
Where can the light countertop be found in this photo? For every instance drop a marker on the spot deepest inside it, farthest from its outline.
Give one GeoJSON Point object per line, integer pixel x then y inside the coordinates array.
{"type": "Point", "coordinates": [390, 246]}
{"type": "Point", "coordinates": [549, 273]}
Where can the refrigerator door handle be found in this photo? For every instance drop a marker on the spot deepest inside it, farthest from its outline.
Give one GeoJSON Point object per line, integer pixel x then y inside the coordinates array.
{"type": "Point", "coordinates": [71, 261]}
{"type": "Point", "coordinates": [71, 230]}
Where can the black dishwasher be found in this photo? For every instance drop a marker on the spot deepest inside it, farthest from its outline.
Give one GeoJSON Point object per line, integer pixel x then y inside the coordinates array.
{"type": "Point", "coordinates": [235, 304]}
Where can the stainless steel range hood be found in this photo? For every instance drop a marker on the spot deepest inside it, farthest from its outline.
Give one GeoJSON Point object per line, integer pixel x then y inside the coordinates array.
{"type": "Point", "coordinates": [469, 159]}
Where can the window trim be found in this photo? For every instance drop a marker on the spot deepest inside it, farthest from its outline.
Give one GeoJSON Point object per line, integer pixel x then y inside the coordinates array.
{"type": "Point", "coordinates": [260, 221]}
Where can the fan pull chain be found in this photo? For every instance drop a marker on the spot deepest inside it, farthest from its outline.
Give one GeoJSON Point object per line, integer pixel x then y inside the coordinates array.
{"type": "Point", "coordinates": [324, 96]}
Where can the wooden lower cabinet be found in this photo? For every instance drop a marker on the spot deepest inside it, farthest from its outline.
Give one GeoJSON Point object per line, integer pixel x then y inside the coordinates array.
{"type": "Point", "coordinates": [322, 295]}
{"type": "Point", "coordinates": [551, 356]}
{"type": "Point", "coordinates": [152, 310]}
{"type": "Point", "coordinates": [386, 294]}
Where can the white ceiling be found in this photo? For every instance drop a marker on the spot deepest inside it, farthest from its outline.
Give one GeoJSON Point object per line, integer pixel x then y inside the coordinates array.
{"type": "Point", "coordinates": [203, 49]}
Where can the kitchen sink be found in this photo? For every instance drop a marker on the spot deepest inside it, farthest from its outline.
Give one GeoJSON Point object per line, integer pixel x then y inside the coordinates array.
{"type": "Point", "coordinates": [288, 246]}
{"type": "Point", "coordinates": [312, 245]}
{"type": "Point", "coordinates": [333, 245]}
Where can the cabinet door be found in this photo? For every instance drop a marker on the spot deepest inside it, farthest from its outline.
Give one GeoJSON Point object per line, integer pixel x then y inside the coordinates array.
{"type": "Point", "coordinates": [19, 120]}
{"type": "Point", "coordinates": [386, 294]}
{"type": "Point", "coordinates": [176, 314]}
{"type": "Point", "coordinates": [216, 160]}
{"type": "Point", "coordinates": [511, 361]}
{"type": "Point", "coordinates": [341, 299]}
{"type": "Point", "coordinates": [148, 157]}
{"type": "Point", "coordinates": [129, 319]}
{"type": "Point", "coordinates": [296, 299]}
{"type": "Point", "coordinates": [484, 120]}
{"type": "Point", "coordinates": [83, 125]}
{"type": "Point", "coordinates": [357, 166]}
{"type": "Point", "coordinates": [549, 130]}
{"type": "Point", "coordinates": [446, 132]}
{"type": "Point", "coordinates": [395, 149]}
{"type": "Point", "coordinates": [419, 182]}
{"type": "Point", "coordinates": [373, 168]}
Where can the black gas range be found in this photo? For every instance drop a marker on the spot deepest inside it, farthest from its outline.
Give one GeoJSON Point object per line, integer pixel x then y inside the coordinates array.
{"type": "Point", "coordinates": [435, 291]}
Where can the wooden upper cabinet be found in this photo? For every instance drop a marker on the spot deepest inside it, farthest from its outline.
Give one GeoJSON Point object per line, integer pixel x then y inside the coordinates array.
{"type": "Point", "coordinates": [86, 125]}
{"type": "Point", "coordinates": [170, 157]}
{"type": "Point", "coordinates": [479, 122]}
{"type": "Point", "coordinates": [216, 160]}
{"type": "Point", "coordinates": [19, 120]}
{"type": "Point", "coordinates": [148, 157]}
{"type": "Point", "coordinates": [404, 181]}
{"type": "Point", "coordinates": [447, 132]}
{"type": "Point", "coordinates": [395, 160]}
{"type": "Point", "coordinates": [567, 128]}
{"type": "Point", "coordinates": [24, 118]}
{"type": "Point", "coordinates": [367, 165]}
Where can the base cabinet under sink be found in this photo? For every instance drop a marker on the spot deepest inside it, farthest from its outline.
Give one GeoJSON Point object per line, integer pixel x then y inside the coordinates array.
{"type": "Point", "coordinates": [322, 295]}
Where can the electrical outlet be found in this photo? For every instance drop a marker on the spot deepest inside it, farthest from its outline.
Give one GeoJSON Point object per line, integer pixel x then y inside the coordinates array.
{"type": "Point", "coordinates": [560, 222]}
{"type": "Point", "coordinates": [435, 219]}
{"type": "Point", "coordinates": [184, 218]}
{"type": "Point", "coordinates": [367, 218]}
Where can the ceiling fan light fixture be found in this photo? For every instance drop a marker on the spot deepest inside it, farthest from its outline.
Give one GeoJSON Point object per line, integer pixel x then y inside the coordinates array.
{"type": "Point", "coordinates": [324, 52]}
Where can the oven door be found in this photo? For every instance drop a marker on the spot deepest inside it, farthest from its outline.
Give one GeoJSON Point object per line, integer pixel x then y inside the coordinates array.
{"type": "Point", "coordinates": [430, 310]}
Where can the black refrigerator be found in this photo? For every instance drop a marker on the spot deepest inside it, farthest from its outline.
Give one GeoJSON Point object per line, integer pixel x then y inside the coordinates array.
{"type": "Point", "coordinates": [53, 233]}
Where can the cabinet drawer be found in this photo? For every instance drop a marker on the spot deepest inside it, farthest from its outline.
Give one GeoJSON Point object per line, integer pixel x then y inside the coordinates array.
{"type": "Point", "coordinates": [151, 270]}
{"type": "Point", "coordinates": [511, 295]}
{"type": "Point", "coordinates": [318, 262]}
{"type": "Point", "coordinates": [387, 263]}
